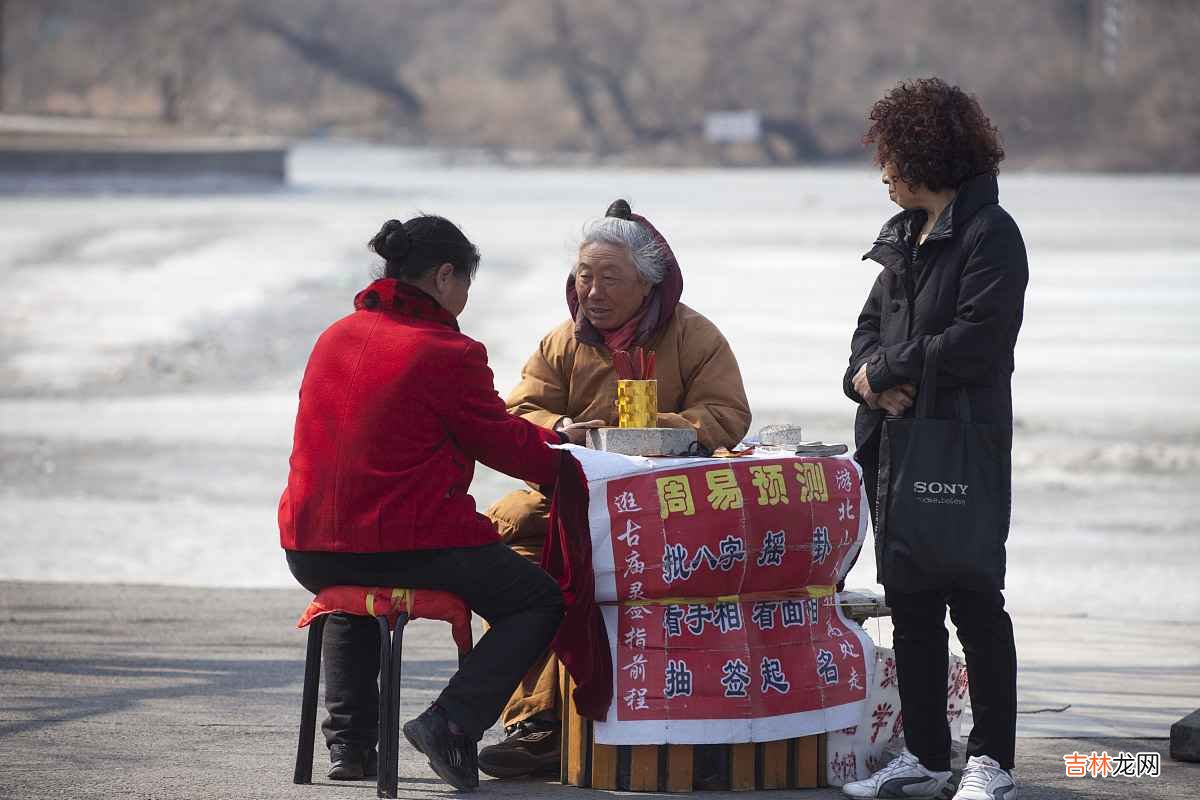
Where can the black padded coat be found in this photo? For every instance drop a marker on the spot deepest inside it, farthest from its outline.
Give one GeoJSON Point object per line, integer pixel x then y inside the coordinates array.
{"type": "Point", "coordinates": [966, 287]}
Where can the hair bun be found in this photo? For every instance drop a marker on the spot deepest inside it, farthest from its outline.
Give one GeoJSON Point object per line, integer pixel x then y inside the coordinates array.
{"type": "Point", "coordinates": [392, 241]}
{"type": "Point", "coordinates": [620, 209]}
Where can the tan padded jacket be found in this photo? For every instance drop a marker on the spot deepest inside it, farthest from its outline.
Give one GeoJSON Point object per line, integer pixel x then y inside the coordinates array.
{"type": "Point", "coordinates": [699, 382]}
{"type": "Point", "coordinates": [699, 386]}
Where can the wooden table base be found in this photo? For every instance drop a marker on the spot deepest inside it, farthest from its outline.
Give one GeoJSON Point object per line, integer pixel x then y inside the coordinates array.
{"type": "Point", "coordinates": [785, 764]}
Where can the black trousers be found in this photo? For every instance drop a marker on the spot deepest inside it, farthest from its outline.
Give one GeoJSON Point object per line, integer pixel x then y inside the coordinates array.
{"type": "Point", "coordinates": [922, 655]}
{"type": "Point", "coordinates": [521, 603]}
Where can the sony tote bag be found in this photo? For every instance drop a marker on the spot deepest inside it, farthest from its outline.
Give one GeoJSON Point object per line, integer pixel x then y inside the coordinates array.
{"type": "Point", "coordinates": [944, 495]}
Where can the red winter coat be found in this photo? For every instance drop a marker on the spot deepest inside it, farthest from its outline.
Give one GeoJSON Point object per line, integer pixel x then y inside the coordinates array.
{"type": "Point", "coordinates": [396, 406]}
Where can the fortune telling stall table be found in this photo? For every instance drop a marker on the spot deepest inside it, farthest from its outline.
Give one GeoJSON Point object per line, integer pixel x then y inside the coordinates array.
{"type": "Point", "coordinates": [715, 578]}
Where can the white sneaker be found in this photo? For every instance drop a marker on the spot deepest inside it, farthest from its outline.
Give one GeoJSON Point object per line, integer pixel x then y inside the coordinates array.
{"type": "Point", "coordinates": [983, 779]}
{"type": "Point", "coordinates": [902, 777]}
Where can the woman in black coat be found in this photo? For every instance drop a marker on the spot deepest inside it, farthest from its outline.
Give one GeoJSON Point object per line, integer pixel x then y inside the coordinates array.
{"type": "Point", "coordinates": [954, 272]}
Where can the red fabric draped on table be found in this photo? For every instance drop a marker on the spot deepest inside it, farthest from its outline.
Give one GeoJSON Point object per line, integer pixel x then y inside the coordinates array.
{"type": "Point", "coordinates": [581, 643]}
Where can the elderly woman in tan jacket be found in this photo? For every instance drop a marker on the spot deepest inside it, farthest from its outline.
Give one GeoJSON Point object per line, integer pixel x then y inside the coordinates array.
{"type": "Point", "coordinates": [623, 292]}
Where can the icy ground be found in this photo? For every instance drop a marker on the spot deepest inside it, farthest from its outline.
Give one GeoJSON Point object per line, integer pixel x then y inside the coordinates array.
{"type": "Point", "coordinates": [151, 345]}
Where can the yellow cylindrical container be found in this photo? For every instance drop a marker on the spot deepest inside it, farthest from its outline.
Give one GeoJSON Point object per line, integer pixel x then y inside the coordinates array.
{"type": "Point", "coordinates": [637, 404]}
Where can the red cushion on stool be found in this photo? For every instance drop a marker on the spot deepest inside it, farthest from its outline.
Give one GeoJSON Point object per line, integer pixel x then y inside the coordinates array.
{"type": "Point", "coordinates": [390, 602]}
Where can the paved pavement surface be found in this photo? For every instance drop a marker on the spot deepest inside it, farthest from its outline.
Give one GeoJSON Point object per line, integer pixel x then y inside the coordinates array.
{"type": "Point", "coordinates": [152, 692]}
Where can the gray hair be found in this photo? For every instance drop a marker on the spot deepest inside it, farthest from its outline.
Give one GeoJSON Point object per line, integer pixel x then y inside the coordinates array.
{"type": "Point", "coordinates": [648, 256]}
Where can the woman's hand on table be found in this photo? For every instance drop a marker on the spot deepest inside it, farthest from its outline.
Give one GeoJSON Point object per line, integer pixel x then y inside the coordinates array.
{"type": "Point", "coordinates": [577, 431]}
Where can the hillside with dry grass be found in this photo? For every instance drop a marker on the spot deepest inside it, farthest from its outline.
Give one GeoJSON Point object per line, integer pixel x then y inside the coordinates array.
{"type": "Point", "coordinates": [1074, 84]}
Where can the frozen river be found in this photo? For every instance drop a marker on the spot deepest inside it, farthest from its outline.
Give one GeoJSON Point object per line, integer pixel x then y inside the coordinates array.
{"type": "Point", "coordinates": [151, 346]}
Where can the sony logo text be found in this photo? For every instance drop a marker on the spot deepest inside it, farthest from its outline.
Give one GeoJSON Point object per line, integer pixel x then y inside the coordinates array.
{"type": "Point", "coordinates": [940, 492]}
{"type": "Point", "coordinates": [937, 487]}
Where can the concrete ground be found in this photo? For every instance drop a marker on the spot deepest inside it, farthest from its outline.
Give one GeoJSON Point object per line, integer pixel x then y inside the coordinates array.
{"type": "Point", "coordinates": [153, 692]}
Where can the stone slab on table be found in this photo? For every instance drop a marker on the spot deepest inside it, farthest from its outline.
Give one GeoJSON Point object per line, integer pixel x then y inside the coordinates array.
{"type": "Point", "coordinates": [642, 441]}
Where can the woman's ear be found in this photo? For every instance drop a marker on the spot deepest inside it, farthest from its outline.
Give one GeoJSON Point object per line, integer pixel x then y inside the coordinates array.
{"type": "Point", "coordinates": [445, 274]}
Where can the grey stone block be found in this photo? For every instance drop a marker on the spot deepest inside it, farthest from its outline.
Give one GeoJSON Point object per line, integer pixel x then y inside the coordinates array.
{"type": "Point", "coordinates": [780, 435]}
{"type": "Point", "coordinates": [1185, 738]}
{"type": "Point", "coordinates": [642, 441]}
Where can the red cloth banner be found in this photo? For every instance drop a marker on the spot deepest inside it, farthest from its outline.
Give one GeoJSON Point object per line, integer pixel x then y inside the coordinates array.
{"type": "Point", "coordinates": [716, 580]}
{"type": "Point", "coordinates": [730, 528]}
{"type": "Point", "coordinates": [735, 660]}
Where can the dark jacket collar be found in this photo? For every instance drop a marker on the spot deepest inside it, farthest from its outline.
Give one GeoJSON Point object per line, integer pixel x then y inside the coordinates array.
{"type": "Point", "coordinates": [404, 299]}
{"type": "Point", "coordinates": [895, 238]}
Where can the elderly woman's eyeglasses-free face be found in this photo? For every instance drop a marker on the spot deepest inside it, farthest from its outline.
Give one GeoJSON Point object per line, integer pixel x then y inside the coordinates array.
{"type": "Point", "coordinates": [608, 284]}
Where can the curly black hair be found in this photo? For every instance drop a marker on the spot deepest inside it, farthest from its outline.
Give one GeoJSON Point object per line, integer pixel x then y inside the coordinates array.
{"type": "Point", "coordinates": [935, 135]}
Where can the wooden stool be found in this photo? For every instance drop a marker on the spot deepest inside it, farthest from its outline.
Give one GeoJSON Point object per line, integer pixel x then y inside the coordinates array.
{"type": "Point", "coordinates": [392, 608]}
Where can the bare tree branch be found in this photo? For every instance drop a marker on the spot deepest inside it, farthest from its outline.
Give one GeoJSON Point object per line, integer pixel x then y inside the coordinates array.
{"type": "Point", "coordinates": [338, 61]}
{"type": "Point", "coordinates": [564, 54]}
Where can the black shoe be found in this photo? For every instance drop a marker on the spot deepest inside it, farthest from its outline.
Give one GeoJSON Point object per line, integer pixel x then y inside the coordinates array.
{"type": "Point", "coordinates": [532, 747]}
{"type": "Point", "coordinates": [451, 756]}
{"type": "Point", "coordinates": [350, 763]}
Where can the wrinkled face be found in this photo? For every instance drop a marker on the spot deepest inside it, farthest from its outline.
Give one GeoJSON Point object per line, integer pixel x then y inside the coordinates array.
{"type": "Point", "coordinates": [609, 286]}
{"type": "Point", "coordinates": [899, 192]}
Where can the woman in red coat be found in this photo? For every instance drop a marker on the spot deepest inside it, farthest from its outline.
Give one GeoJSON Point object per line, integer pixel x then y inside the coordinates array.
{"type": "Point", "coordinates": [396, 406]}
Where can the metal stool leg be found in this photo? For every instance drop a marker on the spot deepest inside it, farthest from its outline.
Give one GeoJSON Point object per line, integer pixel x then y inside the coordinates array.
{"type": "Point", "coordinates": [308, 707]}
{"type": "Point", "coordinates": [474, 754]}
{"type": "Point", "coordinates": [393, 757]}
{"type": "Point", "coordinates": [386, 732]}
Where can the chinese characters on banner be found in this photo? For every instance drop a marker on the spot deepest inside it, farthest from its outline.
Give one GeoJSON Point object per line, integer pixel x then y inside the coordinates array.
{"type": "Point", "coordinates": [717, 579]}
{"type": "Point", "coordinates": [858, 751]}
